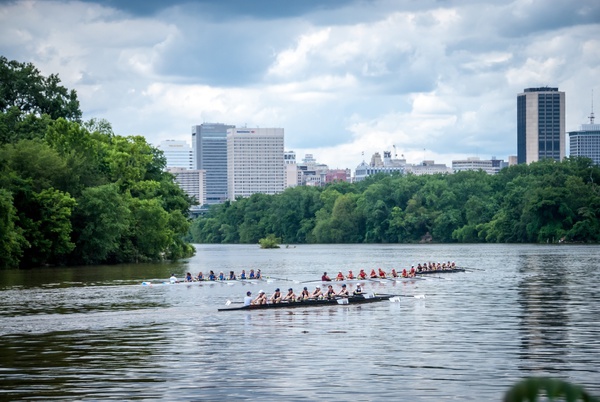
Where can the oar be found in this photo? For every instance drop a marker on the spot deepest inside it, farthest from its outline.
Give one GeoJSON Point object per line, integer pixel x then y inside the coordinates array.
{"type": "Point", "coordinates": [474, 269]}
{"type": "Point", "coordinates": [228, 302]}
{"type": "Point", "coordinates": [397, 297]}
{"type": "Point", "coordinates": [283, 279]}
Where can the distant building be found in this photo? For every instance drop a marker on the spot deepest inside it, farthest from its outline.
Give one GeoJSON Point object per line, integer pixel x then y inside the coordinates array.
{"type": "Point", "coordinates": [192, 182]}
{"type": "Point", "coordinates": [255, 162]}
{"type": "Point", "coordinates": [427, 167]}
{"type": "Point", "coordinates": [586, 141]}
{"type": "Point", "coordinates": [540, 125]}
{"type": "Point", "coordinates": [292, 174]}
{"type": "Point", "coordinates": [209, 142]}
{"type": "Point", "coordinates": [177, 153]}
{"type": "Point", "coordinates": [491, 166]}
{"type": "Point", "coordinates": [312, 173]}
{"type": "Point", "coordinates": [386, 165]}
{"type": "Point", "coordinates": [334, 175]}
{"type": "Point", "coordinates": [512, 160]}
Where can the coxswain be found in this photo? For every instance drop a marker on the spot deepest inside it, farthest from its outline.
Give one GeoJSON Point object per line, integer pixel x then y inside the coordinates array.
{"type": "Point", "coordinates": [258, 274]}
{"type": "Point", "coordinates": [340, 276]}
{"type": "Point", "coordinates": [261, 298]}
{"type": "Point", "coordinates": [188, 277]}
{"type": "Point", "coordinates": [316, 293]}
{"type": "Point", "coordinates": [221, 276]}
{"type": "Point", "coordinates": [381, 273]}
{"type": "Point", "coordinates": [358, 290]}
{"type": "Point", "coordinates": [362, 274]}
{"type": "Point", "coordinates": [325, 278]}
{"type": "Point", "coordinates": [350, 275]}
{"type": "Point", "coordinates": [373, 274]}
{"type": "Point", "coordinates": [243, 274]}
{"type": "Point", "coordinates": [232, 276]}
{"type": "Point", "coordinates": [404, 273]}
{"type": "Point", "coordinates": [291, 296]}
{"type": "Point", "coordinates": [394, 273]}
{"type": "Point", "coordinates": [276, 297]}
{"type": "Point", "coordinates": [344, 291]}
{"type": "Point", "coordinates": [252, 276]}
{"type": "Point", "coordinates": [330, 292]}
{"type": "Point", "coordinates": [248, 299]}
{"type": "Point", "coordinates": [200, 276]}
{"type": "Point", "coordinates": [211, 276]}
{"type": "Point", "coordinates": [304, 294]}
{"type": "Point", "coordinates": [173, 279]}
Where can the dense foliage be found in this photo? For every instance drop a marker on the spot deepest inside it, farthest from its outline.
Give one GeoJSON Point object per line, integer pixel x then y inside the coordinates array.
{"type": "Point", "coordinates": [542, 202]}
{"type": "Point", "coordinates": [76, 193]}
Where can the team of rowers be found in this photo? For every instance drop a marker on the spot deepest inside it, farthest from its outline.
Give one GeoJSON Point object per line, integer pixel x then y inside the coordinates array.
{"type": "Point", "coordinates": [221, 277]}
{"type": "Point", "coordinates": [317, 294]}
{"type": "Point", "coordinates": [381, 274]}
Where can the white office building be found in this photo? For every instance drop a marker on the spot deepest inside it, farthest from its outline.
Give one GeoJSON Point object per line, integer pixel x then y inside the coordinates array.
{"type": "Point", "coordinates": [179, 154]}
{"type": "Point", "coordinates": [586, 141]}
{"type": "Point", "coordinates": [193, 182]}
{"type": "Point", "coordinates": [490, 166]}
{"type": "Point", "coordinates": [255, 162]}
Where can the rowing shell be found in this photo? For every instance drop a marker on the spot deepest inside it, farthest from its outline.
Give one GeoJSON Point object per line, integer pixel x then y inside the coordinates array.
{"type": "Point", "coordinates": [352, 300]}
{"type": "Point", "coordinates": [441, 271]}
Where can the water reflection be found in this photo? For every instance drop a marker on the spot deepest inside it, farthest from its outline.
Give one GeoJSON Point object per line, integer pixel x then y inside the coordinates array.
{"type": "Point", "coordinates": [545, 320]}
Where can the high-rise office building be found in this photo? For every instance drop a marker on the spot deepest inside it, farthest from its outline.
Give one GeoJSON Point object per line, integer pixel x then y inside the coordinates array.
{"type": "Point", "coordinates": [209, 142]}
{"type": "Point", "coordinates": [540, 124]}
{"type": "Point", "coordinates": [255, 161]}
{"type": "Point", "coordinates": [192, 181]}
{"type": "Point", "coordinates": [179, 154]}
{"type": "Point", "coordinates": [586, 141]}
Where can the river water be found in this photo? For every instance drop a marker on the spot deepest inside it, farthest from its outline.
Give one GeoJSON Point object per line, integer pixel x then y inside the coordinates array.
{"type": "Point", "coordinates": [96, 333]}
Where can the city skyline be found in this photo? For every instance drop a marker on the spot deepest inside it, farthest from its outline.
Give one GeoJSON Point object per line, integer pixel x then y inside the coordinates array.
{"type": "Point", "coordinates": [437, 81]}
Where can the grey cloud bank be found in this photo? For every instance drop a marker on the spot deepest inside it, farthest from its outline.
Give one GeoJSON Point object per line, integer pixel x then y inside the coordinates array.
{"type": "Point", "coordinates": [436, 79]}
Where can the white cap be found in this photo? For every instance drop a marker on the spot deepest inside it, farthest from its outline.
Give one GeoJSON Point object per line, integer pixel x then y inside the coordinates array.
{"type": "Point", "coordinates": [261, 291]}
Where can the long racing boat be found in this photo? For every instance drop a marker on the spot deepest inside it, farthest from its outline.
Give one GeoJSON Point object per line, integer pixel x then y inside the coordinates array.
{"type": "Point", "coordinates": [441, 271]}
{"type": "Point", "coordinates": [351, 300]}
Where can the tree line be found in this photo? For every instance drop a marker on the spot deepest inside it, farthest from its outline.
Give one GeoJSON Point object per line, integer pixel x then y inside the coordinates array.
{"type": "Point", "coordinates": [543, 202]}
{"type": "Point", "coordinates": [74, 192]}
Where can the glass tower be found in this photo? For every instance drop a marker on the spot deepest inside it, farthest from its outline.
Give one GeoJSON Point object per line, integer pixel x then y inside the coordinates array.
{"type": "Point", "coordinates": [209, 142]}
{"type": "Point", "coordinates": [540, 125]}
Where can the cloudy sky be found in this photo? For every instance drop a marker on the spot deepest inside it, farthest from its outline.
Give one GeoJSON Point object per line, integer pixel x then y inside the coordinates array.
{"type": "Point", "coordinates": [436, 79]}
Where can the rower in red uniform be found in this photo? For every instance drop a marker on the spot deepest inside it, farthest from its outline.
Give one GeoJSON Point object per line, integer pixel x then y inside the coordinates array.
{"type": "Point", "coordinates": [412, 271]}
{"type": "Point", "coordinates": [340, 276]}
{"type": "Point", "coordinates": [373, 274]}
{"type": "Point", "coordinates": [381, 273]}
{"type": "Point", "coordinates": [394, 273]}
{"type": "Point", "coordinates": [325, 278]}
{"type": "Point", "coordinates": [404, 273]}
{"type": "Point", "coordinates": [362, 274]}
{"type": "Point", "coordinates": [350, 275]}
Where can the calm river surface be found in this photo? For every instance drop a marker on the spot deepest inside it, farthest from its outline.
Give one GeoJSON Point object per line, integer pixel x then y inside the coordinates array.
{"type": "Point", "coordinates": [96, 333]}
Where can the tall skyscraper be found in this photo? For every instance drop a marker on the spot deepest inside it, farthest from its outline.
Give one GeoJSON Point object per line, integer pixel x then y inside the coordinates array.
{"type": "Point", "coordinates": [586, 141]}
{"type": "Point", "coordinates": [255, 161]}
{"type": "Point", "coordinates": [178, 154]}
{"type": "Point", "coordinates": [540, 124]}
{"type": "Point", "coordinates": [209, 142]}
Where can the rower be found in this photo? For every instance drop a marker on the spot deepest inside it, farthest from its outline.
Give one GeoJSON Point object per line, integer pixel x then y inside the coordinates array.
{"type": "Point", "coordinates": [291, 296]}
{"type": "Point", "coordinates": [258, 274]}
{"type": "Point", "coordinates": [252, 274]}
{"type": "Point", "coordinates": [382, 273]}
{"type": "Point", "coordinates": [261, 298]}
{"type": "Point", "coordinates": [248, 299]}
{"type": "Point", "coordinates": [358, 290]}
{"type": "Point", "coordinates": [188, 277]}
{"type": "Point", "coordinates": [325, 278]}
{"type": "Point", "coordinates": [173, 278]}
{"type": "Point", "coordinates": [350, 275]}
{"type": "Point", "coordinates": [362, 274]}
{"type": "Point", "coordinates": [340, 276]}
{"type": "Point", "coordinates": [212, 276]}
{"type": "Point", "coordinates": [412, 271]}
{"type": "Point", "coordinates": [243, 274]}
{"type": "Point", "coordinates": [276, 297]}
{"type": "Point", "coordinates": [394, 273]}
{"type": "Point", "coordinates": [221, 276]}
{"type": "Point", "coordinates": [373, 274]}
{"type": "Point", "coordinates": [404, 273]}
{"type": "Point", "coordinates": [330, 292]}
{"type": "Point", "coordinates": [344, 291]}
{"type": "Point", "coordinates": [316, 293]}
{"type": "Point", "coordinates": [304, 294]}
{"type": "Point", "coordinates": [232, 276]}
{"type": "Point", "coordinates": [200, 276]}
